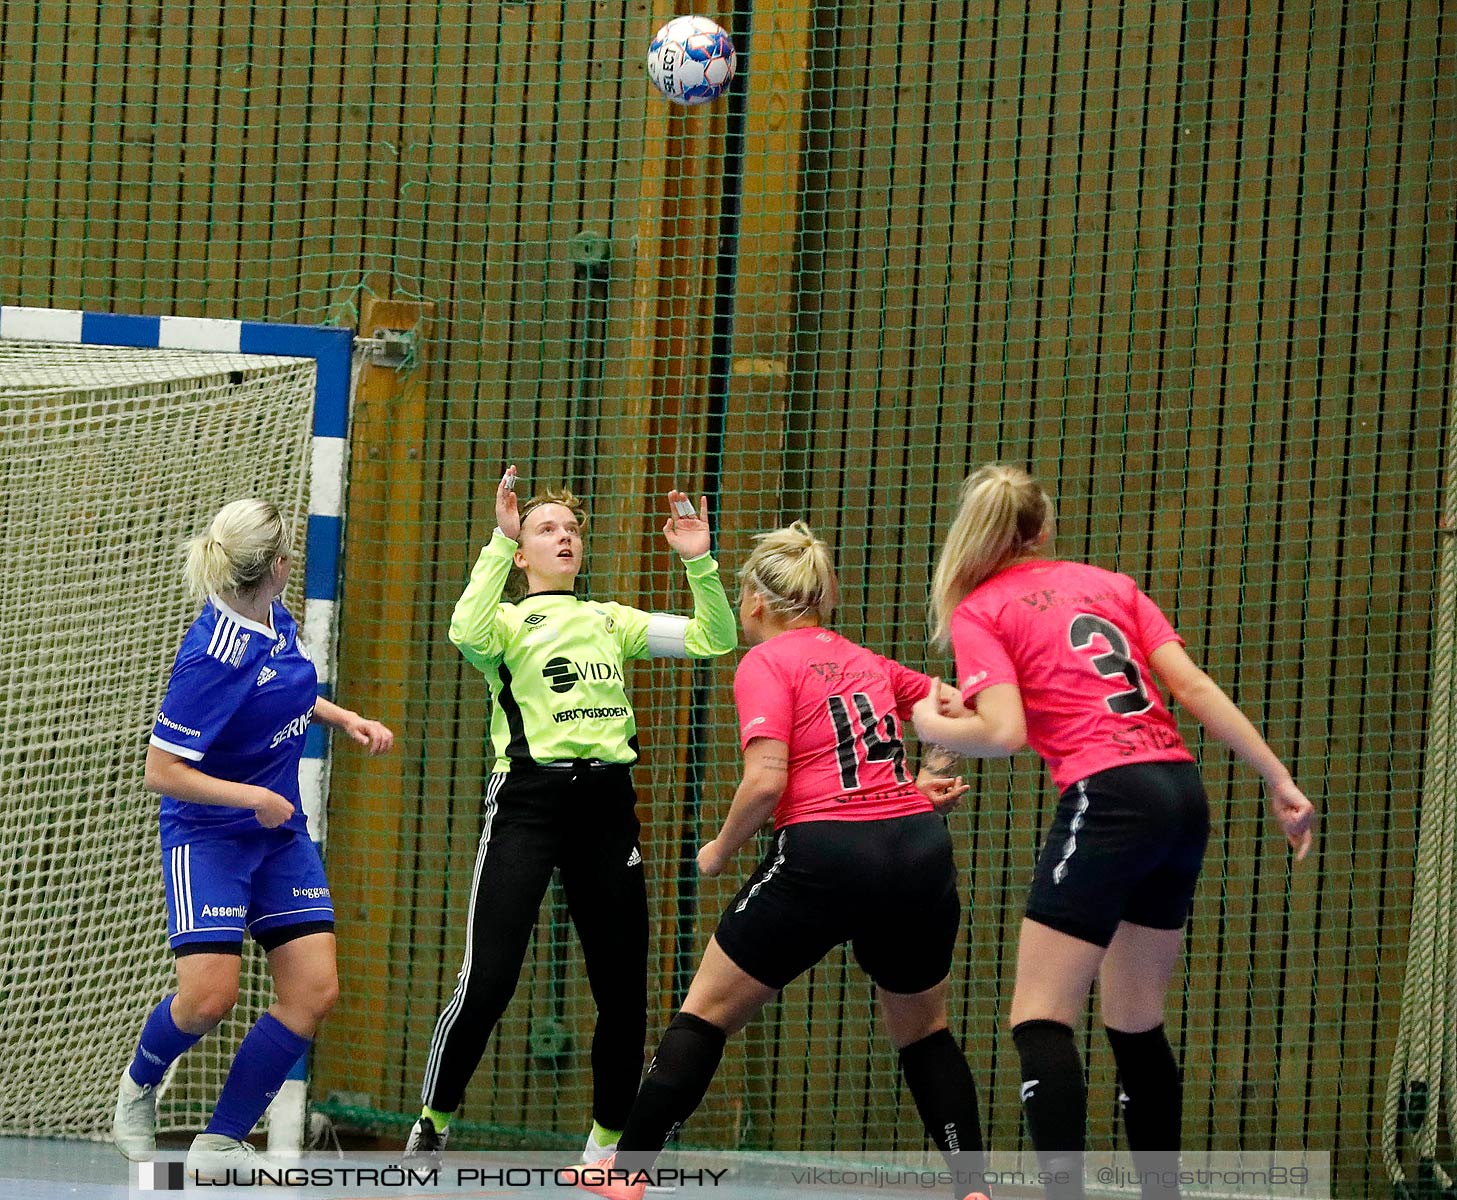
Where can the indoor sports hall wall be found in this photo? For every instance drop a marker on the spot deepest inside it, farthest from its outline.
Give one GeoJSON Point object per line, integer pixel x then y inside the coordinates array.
{"type": "Point", "coordinates": [1192, 262]}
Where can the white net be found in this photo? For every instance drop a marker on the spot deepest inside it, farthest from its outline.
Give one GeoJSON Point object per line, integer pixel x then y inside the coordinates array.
{"type": "Point", "coordinates": [109, 460]}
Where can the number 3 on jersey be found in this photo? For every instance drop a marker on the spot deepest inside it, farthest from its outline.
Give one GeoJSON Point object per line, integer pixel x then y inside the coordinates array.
{"type": "Point", "coordinates": [876, 740]}
{"type": "Point", "coordinates": [1111, 664]}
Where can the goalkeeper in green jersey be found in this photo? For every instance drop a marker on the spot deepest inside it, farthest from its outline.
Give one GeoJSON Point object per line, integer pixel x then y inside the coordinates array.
{"type": "Point", "coordinates": [560, 793]}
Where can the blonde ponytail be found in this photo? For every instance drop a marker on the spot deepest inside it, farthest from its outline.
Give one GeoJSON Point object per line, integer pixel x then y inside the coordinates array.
{"type": "Point", "coordinates": [238, 551]}
{"type": "Point", "coordinates": [1003, 512]}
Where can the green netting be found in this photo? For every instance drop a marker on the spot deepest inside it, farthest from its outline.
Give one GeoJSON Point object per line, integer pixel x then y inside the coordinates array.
{"type": "Point", "coordinates": [1192, 263]}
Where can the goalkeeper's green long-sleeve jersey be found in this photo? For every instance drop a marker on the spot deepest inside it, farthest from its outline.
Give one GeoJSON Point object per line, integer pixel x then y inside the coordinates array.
{"type": "Point", "coordinates": [554, 662]}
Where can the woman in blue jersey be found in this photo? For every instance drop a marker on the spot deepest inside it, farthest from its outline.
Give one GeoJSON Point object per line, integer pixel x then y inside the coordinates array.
{"type": "Point", "coordinates": [236, 854]}
{"type": "Point", "coordinates": [560, 795]}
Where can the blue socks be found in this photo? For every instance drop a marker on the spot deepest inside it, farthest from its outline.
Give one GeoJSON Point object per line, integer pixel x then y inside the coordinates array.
{"type": "Point", "coordinates": [262, 1064]}
{"type": "Point", "coordinates": [259, 1069]}
{"type": "Point", "coordinates": [161, 1044]}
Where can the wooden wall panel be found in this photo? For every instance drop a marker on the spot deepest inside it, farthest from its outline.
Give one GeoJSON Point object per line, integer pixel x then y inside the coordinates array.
{"type": "Point", "coordinates": [18, 113]}
{"type": "Point", "coordinates": [37, 200]}
{"type": "Point", "coordinates": [78, 83]}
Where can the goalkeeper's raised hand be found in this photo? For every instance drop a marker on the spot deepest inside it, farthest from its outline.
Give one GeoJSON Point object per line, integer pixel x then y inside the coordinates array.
{"type": "Point", "coordinates": [687, 531]}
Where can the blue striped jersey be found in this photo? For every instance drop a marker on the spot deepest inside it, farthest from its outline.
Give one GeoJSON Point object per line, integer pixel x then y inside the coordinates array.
{"type": "Point", "coordinates": [238, 704]}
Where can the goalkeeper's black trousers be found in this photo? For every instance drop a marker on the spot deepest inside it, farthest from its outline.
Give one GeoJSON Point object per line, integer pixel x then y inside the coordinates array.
{"type": "Point", "coordinates": [581, 818]}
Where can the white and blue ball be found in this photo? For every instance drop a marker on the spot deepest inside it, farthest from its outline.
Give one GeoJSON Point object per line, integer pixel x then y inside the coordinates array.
{"type": "Point", "coordinates": [691, 60]}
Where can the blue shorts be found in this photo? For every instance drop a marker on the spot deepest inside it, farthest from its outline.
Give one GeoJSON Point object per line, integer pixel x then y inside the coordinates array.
{"type": "Point", "coordinates": [269, 882]}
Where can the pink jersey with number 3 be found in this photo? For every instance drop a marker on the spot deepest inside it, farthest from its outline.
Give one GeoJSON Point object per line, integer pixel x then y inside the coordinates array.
{"type": "Point", "coordinates": [1076, 641]}
{"type": "Point", "coordinates": [840, 709]}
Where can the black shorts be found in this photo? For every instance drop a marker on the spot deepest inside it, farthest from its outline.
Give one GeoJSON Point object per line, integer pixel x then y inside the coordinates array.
{"type": "Point", "coordinates": [888, 887]}
{"type": "Point", "coordinates": [1126, 845]}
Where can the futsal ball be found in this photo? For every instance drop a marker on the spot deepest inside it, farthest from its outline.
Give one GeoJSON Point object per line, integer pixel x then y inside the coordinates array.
{"type": "Point", "coordinates": [691, 60]}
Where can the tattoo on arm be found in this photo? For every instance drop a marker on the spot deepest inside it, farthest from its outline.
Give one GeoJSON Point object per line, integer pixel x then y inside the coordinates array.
{"type": "Point", "coordinates": [775, 762]}
{"type": "Point", "coordinates": [937, 760]}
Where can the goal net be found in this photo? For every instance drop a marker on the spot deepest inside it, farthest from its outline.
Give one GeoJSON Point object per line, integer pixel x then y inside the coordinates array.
{"type": "Point", "coordinates": [110, 458]}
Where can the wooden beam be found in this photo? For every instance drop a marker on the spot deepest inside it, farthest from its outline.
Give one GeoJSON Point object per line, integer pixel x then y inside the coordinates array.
{"type": "Point", "coordinates": [371, 798]}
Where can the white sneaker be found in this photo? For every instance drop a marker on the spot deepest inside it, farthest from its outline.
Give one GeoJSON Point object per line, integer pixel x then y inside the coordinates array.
{"type": "Point", "coordinates": [134, 1125]}
{"type": "Point", "coordinates": [212, 1157]}
{"type": "Point", "coordinates": [595, 1152]}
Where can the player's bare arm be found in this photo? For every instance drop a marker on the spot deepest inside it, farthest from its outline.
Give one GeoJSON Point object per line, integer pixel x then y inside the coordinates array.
{"type": "Point", "coordinates": [766, 771]}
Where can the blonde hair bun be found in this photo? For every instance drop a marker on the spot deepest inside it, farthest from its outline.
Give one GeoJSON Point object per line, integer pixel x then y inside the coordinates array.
{"type": "Point", "coordinates": [794, 571]}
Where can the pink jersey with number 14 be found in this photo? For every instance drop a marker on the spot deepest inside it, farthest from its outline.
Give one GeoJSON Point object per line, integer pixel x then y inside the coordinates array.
{"type": "Point", "coordinates": [840, 709]}
{"type": "Point", "coordinates": [1076, 641]}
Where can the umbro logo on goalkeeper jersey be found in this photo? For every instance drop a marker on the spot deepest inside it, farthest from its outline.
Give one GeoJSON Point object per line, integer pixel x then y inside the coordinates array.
{"type": "Point", "coordinates": [534, 619]}
{"type": "Point", "coordinates": [265, 675]}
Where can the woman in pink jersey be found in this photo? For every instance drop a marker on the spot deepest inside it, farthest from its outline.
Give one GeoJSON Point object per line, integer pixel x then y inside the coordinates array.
{"type": "Point", "coordinates": [860, 854]}
{"type": "Point", "coordinates": [1067, 658]}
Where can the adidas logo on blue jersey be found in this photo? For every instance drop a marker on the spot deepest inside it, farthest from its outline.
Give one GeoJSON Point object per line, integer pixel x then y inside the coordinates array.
{"type": "Point", "coordinates": [265, 675]}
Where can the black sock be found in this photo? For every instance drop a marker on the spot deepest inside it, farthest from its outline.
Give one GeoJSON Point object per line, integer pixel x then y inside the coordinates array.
{"type": "Point", "coordinates": [1152, 1103]}
{"type": "Point", "coordinates": [1054, 1102]}
{"type": "Point", "coordinates": [674, 1087]}
{"type": "Point", "coordinates": [945, 1095]}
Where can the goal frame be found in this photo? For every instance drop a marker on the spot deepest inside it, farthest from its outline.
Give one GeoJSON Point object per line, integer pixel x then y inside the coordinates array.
{"type": "Point", "coordinates": [332, 349]}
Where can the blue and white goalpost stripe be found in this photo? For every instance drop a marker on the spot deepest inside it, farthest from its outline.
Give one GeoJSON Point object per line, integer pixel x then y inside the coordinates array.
{"type": "Point", "coordinates": [332, 350]}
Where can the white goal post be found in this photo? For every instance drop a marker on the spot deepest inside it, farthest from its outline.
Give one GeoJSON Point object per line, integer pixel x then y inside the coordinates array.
{"type": "Point", "coordinates": [121, 435]}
